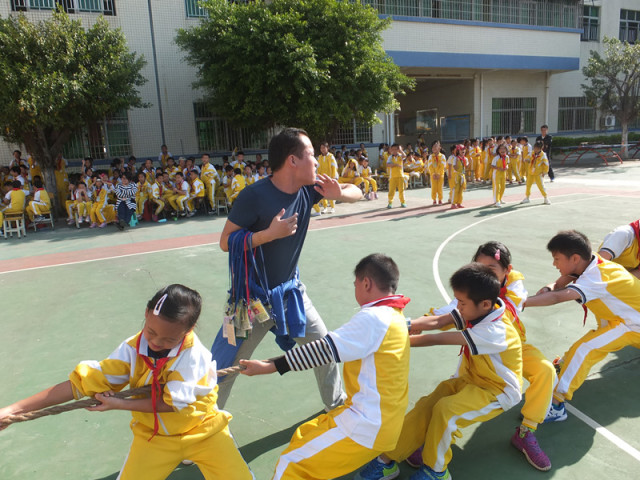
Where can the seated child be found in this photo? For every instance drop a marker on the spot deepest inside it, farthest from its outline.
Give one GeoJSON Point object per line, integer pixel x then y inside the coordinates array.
{"type": "Point", "coordinates": [41, 203]}
{"type": "Point", "coordinates": [14, 200]}
{"type": "Point", "coordinates": [180, 194]}
{"type": "Point", "coordinates": [196, 190]}
{"type": "Point", "coordinates": [487, 383]}
{"type": "Point", "coordinates": [182, 423]}
{"type": "Point", "coordinates": [375, 348]}
{"type": "Point", "coordinates": [609, 291]}
{"type": "Point", "coordinates": [370, 183]}
{"type": "Point", "coordinates": [621, 246]}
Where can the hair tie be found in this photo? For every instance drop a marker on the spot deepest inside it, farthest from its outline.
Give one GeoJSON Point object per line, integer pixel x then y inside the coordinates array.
{"type": "Point", "coordinates": [497, 255]}
{"type": "Point", "coordinates": [158, 307]}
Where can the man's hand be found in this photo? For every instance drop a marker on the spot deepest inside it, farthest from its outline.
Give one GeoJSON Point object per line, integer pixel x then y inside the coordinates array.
{"type": "Point", "coordinates": [257, 367]}
{"type": "Point", "coordinates": [328, 187]}
{"type": "Point", "coordinates": [281, 228]}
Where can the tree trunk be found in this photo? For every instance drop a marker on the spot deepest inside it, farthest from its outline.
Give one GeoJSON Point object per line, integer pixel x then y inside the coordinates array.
{"type": "Point", "coordinates": [625, 139]}
{"type": "Point", "coordinates": [51, 186]}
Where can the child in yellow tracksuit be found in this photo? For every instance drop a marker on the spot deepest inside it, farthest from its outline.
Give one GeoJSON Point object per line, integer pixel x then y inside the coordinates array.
{"type": "Point", "coordinates": [500, 166]}
{"type": "Point", "coordinates": [475, 157]}
{"type": "Point", "coordinates": [142, 195]}
{"type": "Point", "coordinates": [14, 201]}
{"type": "Point", "coordinates": [370, 183]}
{"type": "Point", "coordinates": [350, 173]}
{"type": "Point", "coordinates": [374, 346]}
{"type": "Point", "coordinates": [327, 165]}
{"type": "Point", "coordinates": [525, 155]}
{"type": "Point", "coordinates": [487, 383]}
{"type": "Point", "coordinates": [236, 183]}
{"type": "Point", "coordinates": [196, 190]}
{"type": "Point", "coordinates": [606, 289]}
{"type": "Point", "coordinates": [458, 181]}
{"type": "Point", "coordinates": [210, 178]}
{"type": "Point", "coordinates": [41, 203]}
{"type": "Point", "coordinates": [515, 160]}
{"type": "Point", "coordinates": [100, 197]}
{"type": "Point", "coordinates": [396, 175]}
{"type": "Point", "coordinates": [622, 245]}
{"type": "Point", "coordinates": [538, 166]}
{"type": "Point", "coordinates": [184, 421]}
{"type": "Point", "coordinates": [436, 164]}
{"type": "Point", "coordinates": [155, 197]}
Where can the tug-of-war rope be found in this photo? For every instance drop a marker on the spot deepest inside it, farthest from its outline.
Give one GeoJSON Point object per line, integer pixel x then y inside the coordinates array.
{"type": "Point", "coordinates": [91, 402]}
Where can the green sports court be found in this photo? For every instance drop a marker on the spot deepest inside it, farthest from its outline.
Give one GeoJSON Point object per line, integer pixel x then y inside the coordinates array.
{"type": "Point", "coordinates": [74, 294]}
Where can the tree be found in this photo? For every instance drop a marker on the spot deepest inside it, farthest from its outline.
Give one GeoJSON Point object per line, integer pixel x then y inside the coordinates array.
{"type": "Point", "coordinates": [57, 77]}
{"type": "Point", "coordinates": [312, 63]}
{"type": "Point", "coordinates": [614, 83]}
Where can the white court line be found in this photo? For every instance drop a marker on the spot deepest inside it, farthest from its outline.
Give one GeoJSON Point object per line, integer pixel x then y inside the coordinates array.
{"type": "Point", "coordinates": [617, 441]}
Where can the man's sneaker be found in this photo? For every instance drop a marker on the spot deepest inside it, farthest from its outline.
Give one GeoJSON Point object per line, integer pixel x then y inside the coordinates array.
{"type": "Point", "coordinates": [389, 206]}
{"type": "Point", "coordinates": [415, 459]}
{"type": "Point", "coordinates": [556, 414]}
{"type": "Point", "coordinates": [525, 200]}
{"type": "Point", "coordinates": [376, 470]}
{"type": "Point", "coordinates": [546, 201]}
{"type": "Point", "coordinates": [525, 441]}
{"type": "Point", "coordinates": [426, 473]}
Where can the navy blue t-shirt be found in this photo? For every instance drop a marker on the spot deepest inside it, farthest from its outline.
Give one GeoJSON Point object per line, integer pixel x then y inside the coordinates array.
{"type": "Point", "coordinates": [254, 210]}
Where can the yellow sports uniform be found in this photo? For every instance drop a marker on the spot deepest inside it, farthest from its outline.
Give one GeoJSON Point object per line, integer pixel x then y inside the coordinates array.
{"type": "Point", "coordinates": [98, 206]}
{"type": "Point", "coordinates": [525, 159]}
{"type": "Point", "coordinates": [396, 177]}
{"type": "Point", "coordinates": [477, 168]}
{"type": "Point", "coordinates": [538, 166]}
{"type": "Point", "coordinates": [488, 382]}
{"type": "Point", "coordinates": [62, 180]}
{"type": "Point", "coordinates": [196, 190]}
{"type": "Point", "coordinates": [177, 200]}
{"type": "Point", "coordinates": [436, 165]}
{"type": "Point", "coordinates": [374, 346]}
{"type": "Point", "coordinates": [327, 165]}
{"type": "Point", "coordinates": [16, 198]}
{"type": "Point", "coordinates": [350, 175]}
{"type": "Point", "coordinates": [515, 160]}
{"type": "Point", "coordinates": [142, 195]}
{"type": "Point", "coordinates": [235, 187]}
{"type": "Point", "coordinates": [500, 166]}
{"type": "Point", "coordinates": [211, 179]}
{"type": "Point", "coordinates": [196, 430]}
{"type": "Point", "coordinates": [459, 181]}
{"type": "Point", "coordinates": [40, 205]}
{"type": "Point", "coordinates": [155, 196]}
{"type": "Point", "coordinates": [622, 245]}
{"type": "Point", "coordinates": [612, 294]}
{"type": "Point", "coordinates": [370, 184]}
{"type": "Point", "coordinates": [487, 157]}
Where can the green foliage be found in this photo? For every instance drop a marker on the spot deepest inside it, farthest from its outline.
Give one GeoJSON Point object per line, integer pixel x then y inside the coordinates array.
{"type": "Point", "coordinates": [310, 63]}
{"type": "Point", "coordinates": [614, 81]}
{"type": "Point", "coordinates": [614, 139]}
{"type": "Point", "coordinates": [57, 77]}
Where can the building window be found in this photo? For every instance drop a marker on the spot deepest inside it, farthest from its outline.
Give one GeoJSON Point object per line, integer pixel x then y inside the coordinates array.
{"type": "Point", "coordinates": [590, 24]}
{"type": "Point", "coordinates": [106, 7]}
{"type": "Point", "coordinates": [629, 25]}
{"type": "Point", "coordinates": [556, 13]}
{"type": "Point", "coordinates": [216, 135]}
{"type": "Point", "coordinates": [512, 116]}
{"type": "Point", "coordinates": [194, 9]}
{"type": "Point", "coordinates": [353, 133]}
{"type": "Point", "coordinates": [104, 139]}
{"type": "Point", "coordinates": [575, 114]}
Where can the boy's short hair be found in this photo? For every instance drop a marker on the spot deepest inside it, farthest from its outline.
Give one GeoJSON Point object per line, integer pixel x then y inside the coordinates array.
{"type": "Point", "coordinates": [570, 242]}
{"type": "Point", "coordinates": [16, 184]}
{"type": "Point", "coordinates": [476, 281]}
{"type": "Point", "coordinates": [287, 142]}
{"type": "Point", "coordinates": [381, 269]}
{"type": "Point", "coordinates": [37, 182]}
{"type": "Point", "coordinates": [539, 144]}
{"type": "Point", "coordinates": [544, 126]}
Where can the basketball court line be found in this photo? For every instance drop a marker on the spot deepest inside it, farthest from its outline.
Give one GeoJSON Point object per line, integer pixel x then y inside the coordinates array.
{"type": "Point", "coordinates": [613, 438]}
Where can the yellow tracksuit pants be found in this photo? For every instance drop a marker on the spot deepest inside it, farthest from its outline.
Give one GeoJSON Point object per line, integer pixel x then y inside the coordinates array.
{"type": "Point", "coordinates": [588, 351]}
{"type": "Point", "coordinates": [36, 208]}
{"type": "Point", "coordinates": [140, 201]}
{"type": "Point", "coordinates": [499, 184]}
{"type": "Point", "coordinates": [436, 419]}
{"type": "Point", "coordinates": [178, 202]}
{"type": "Point", "coordinates": [436, 188]}
{"type": "Point", "coordinates": [539, 182]}
{"type": "Point", "coordinates": [542, 378]}
{"type": "Point", "coordinates": [158, 203]}
{"type": "Point", "coordinates": [215, 454]}
{"type": "Point", "coordinates": [319, 450]}
{"type": "Point", "coordinates": [97, 213]}
{"type": "Point", "coordinates": [396, 183]}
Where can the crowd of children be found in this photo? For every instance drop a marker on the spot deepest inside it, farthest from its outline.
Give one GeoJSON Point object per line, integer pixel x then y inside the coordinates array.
{"type": "Point", "coordinates": [371, 428]}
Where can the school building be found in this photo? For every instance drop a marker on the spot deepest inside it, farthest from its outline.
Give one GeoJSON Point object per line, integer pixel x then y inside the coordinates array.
{"type": "Point", "coordinates": [482, 67]}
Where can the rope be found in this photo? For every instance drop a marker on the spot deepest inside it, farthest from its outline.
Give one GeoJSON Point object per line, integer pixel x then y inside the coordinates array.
{"type": "Point", "coordinates": [91, 402]}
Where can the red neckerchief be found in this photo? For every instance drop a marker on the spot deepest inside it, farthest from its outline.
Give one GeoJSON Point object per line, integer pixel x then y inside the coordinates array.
{"type": "Point", "coordinates": [156, 388]}
{"type": "Point", "coordinates": [395, 301]}
{"type": "Point", "coordinates": [636, 230]}
{"type": "Point", "coordinates": [533, 162]}
{"type": "Point", "coordinates": [504, 161]}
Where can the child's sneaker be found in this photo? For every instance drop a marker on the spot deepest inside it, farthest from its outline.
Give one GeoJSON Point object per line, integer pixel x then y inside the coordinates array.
{"type": "Point", "coordinates": [556, 414]}
{"type": "Point", "coordinates": [525, 441]}
{"type": "Point", "coordinates": [389, 206]}
{"type": "Point", "coordinates": [87, 219]}
{"type": "Point", "coordinates": [102, 225]}
{"type": "Point", "coordinates": [93, 225]}
{"type": "Point", "coordinates": [315, 214]}
{"type": "Point", "coordinates": [71, 221]}
{"type": "Point", "coordinates": [546, 201]}
{"type": "Point", "coordinates": [403, 205]}
{"type": "Point", "coordinates": [376, 470]}
{"type": "Point", "coordinates": [415, 459]}
{"type": "Point", "coordinates": [426, 473]}
{"type": "Point", "coordinates": [525, 200]}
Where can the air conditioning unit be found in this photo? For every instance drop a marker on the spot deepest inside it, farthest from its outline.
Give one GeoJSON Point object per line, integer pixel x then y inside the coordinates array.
{"type": "Point", "coordinates": [610, 121]}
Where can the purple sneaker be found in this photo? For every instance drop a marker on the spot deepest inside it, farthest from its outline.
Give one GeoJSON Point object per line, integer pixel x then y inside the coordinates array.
{"type": "Point", "coordinates": [415, 459]}
{"type": "Point", "coordinates": [526, 442]}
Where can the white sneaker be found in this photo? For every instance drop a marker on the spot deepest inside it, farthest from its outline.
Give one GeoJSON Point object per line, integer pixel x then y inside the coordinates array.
{"type": "Point", "coordinates": [558, 414]}
{"type": "Point", "coordinates": [497, 205]}
{"type": "Point", "coordinates": [525, 200]}
{"type": "Point", "coordinates": [322, 210]}
{"type": "Point", "coordinates": [546, 201]}
{"type": "Point", "coordinates": [502, 202]}
{"type": "Point", "coordinates": [331, 210]}
{"type": "Point", "coordinates": [315, 214]}
{"type": "Point", "coordinates": [87, 219]}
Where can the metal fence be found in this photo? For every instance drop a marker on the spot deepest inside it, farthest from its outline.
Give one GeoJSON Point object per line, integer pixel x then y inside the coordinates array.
{"type": "Point", "coordinates": [511, 116]}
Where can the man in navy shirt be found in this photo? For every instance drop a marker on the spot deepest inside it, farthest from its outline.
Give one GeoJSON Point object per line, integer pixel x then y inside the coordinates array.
{"type": "Point", "coordinates": [277, 209]}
